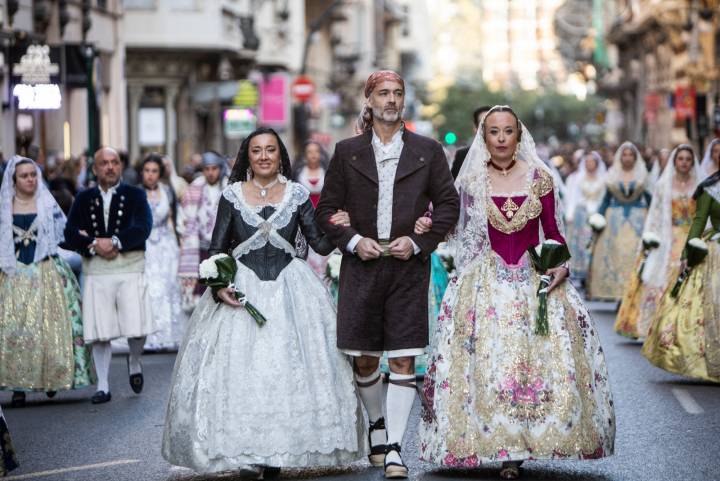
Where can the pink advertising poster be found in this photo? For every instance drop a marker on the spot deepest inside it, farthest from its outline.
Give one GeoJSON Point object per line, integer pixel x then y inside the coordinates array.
{"type": "Point", "coordinates": [274, 100]}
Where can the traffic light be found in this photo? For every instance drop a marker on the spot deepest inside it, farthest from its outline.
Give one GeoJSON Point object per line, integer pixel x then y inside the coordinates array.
{"type": "Point", "coordinates": [450, 138]}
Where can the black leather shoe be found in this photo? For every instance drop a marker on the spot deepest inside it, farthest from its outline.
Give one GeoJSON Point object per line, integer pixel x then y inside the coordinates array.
{"type": "Point", "coordinates": [137, 381]}
{"type": "Point", "coordinates": [51, 394]}
{"type": "Point", "coordinates": [270, 472]}
{"type": "Point", "coordinates": [18, 399]}
{"type": "Point", "coordinates": [101, 397]}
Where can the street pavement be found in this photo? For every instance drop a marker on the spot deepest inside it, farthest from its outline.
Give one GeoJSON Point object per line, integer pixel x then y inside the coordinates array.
{"type": "Point", "coordinates": [668, 428]}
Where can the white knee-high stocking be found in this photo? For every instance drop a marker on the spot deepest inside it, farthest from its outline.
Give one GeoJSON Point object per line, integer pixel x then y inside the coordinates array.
{"type": "Point", "coordinates": [370, 390]}
{"type": "Point", "coordinates": [136, 349]}
{"type": "Point", "coordinates": [399, 403]}
{"type": "Point", "coordinates": [102, 355]}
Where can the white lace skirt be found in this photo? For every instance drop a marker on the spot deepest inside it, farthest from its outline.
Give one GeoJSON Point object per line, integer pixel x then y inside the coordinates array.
{"type": "Point", "coordinates": [278, 395]}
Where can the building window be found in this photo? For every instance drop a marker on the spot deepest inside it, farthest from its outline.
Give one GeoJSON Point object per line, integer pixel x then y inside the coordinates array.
{"type": "Point", "coordinates": [184, 4]}
{"type": "Point", "coordinates": [139, 4]}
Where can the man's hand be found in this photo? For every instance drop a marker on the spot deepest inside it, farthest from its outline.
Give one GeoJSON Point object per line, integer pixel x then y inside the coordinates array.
{"type": "Point", "coordinates": [558, 276]}
{"type": "Point", "coordinates": [105, 248]}
{"type": "Point", "coordinates": [228, 297]}
{"type": "Point", "coordinates": [402, 248]}
{"type": "Point", "coordinates": [367, 249]}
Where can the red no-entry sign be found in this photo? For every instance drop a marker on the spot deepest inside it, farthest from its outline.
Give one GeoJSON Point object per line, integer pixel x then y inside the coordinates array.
{"type": "Point", "coordinates": [303, 88]}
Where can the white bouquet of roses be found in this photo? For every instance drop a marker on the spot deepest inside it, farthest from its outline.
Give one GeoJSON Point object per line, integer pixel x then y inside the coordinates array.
{"type": "Point", "coordinates": [332, 269]}
{"type": "Point", "coordinates": [597, 223]}
{"type": "Point", "coordinates": [650, 241]}
{"type": "Point", "coordinates": [696, 251]}
{"type": "Point", "coordinates": [218, 272]}
{"type": "Point", "coordinates": [443, 251]}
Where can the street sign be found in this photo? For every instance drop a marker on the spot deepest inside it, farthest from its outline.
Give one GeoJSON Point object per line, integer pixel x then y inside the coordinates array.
{"type": "Point", "coordinates": [303, 88]}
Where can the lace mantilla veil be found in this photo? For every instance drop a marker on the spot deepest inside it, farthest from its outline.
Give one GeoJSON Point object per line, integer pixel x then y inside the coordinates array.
{"type": "Point", "coordinates": [51, 219]}
{"type": "Point", "coordinates": [659, 220]}
{"type": "Point", "coordinates": [470, 241]}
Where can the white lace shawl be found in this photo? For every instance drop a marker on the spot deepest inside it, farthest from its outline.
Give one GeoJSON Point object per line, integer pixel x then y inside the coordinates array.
{"type": "Point", "coordinates": [574, 189]}
{"type": "Point", "coordinates": [50, 219]}
{"type": "Point", "coordinates": [659, 221]}
{"type": "Point", "coordinates": [640, 172]}
{"type": "Point", "coordinates": [706, 166]}
{"type": "Point", "coordinates": [470, 240]}
{"type": "Point", "coordinates": [267, 230]}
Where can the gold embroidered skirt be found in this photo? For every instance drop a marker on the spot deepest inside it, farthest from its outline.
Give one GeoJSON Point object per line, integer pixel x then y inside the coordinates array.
{"type": "Point", "coordinates": [641, 302]}
{"type": "Point", "coordinates": [499, 391]}
{"type": "Point", "coordinates": [614, 252]}
{"type": "Point", "coordinates": [685, 335]}
{"type": "Point", "coordinates": [36, 339]}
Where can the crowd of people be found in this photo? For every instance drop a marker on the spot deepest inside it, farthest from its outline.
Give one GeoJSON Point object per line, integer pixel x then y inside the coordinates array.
{"type": "Point", "coordinates": [131, 255]}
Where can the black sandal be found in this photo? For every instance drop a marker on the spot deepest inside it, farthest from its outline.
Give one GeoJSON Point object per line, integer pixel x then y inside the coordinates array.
{"type": "Point", "coordinates": [377, 452]}
{"type": "Point", "coordinates": [510, 470]}
{"type": "Point", "coordinates": [394, 470]}
{"type": "Point", "coordinates": [18, 399]}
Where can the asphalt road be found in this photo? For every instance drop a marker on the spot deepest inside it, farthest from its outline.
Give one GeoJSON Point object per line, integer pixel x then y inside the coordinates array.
{"type": "Point", "coordinates": [668, 428]}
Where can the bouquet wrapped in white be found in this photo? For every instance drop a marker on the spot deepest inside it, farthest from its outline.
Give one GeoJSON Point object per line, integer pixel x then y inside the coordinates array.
{"type": "Point", "coordinates": [650, 241]}
{"type": "Point", "coordinates": [597, 222]}
{"type": "Point", "coordinates": [332, 270]}
{"type": "Point", "coordinates": [546, 256]}
{"type": "Point", "coordinates": [697, 250]}
{"type": "Point", "coordinates": [218, 272]}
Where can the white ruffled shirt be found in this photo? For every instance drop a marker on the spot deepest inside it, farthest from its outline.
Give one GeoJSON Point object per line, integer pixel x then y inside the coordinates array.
{"type": "Point", "coordinates": [387, 158]}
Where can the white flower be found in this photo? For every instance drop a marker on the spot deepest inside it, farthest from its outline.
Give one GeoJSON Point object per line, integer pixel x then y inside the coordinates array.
{"type": "Point", "coordinates": [208, 269]}
{"type": "Point", "coordinates": [651, 240]}
{"type": "Point", "coordinates": [597, 221]}
{"type": "Point", "coordinates": [538, 249]}
{"type": "Point", "coordinates": [334, 265]}
{"type": "Point", "coordinates": [551, 242]}
{"type": "Point", "coordinates": [217, 257]}
{"type": "Point", "coordinates": [698, 243]}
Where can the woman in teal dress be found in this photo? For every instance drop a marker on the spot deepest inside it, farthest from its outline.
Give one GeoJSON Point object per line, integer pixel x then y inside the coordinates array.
{"type": "Point", "coordinates": [41, 338]}
{"type": "Point", "coordinates": [624, 207]}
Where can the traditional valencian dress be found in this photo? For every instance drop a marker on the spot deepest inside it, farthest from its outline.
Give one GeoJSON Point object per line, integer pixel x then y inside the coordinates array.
{"type": "Point", "coordinates": [161, 267]}
{"type": "Point", "coordinates": [685, 335]}
{"type": "Point", "coordinates": [669, 219]}
{"type": "Point", "coordinates": [499, 391]}
{"type": "Point", "coordinates": [278, 395]}
{"type": "Point", "coordinates": [41, 330]}
{"type": "Point", "coordinates": [584, 197]}
{"type": "Point", "coordinates": [624, 207]}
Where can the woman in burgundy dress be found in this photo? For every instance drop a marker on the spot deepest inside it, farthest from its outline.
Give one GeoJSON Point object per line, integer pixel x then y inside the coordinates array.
{"type": "Point", "coordinates": [499, 391]}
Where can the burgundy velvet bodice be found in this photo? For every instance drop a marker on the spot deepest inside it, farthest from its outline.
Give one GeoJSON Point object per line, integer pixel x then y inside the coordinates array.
{"type": "Point", "coordinates": [511, 247]}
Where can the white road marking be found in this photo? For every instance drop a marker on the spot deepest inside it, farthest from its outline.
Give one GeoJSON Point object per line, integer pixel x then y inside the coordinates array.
{"type": "Point", "coordinates": [74, 468]}
{"type": "Point", "coordinates": [687, 402]}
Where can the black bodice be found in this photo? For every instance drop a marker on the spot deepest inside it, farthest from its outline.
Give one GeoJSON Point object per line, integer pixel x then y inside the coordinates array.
{"type": "Point", "coordinates": [267, 261]}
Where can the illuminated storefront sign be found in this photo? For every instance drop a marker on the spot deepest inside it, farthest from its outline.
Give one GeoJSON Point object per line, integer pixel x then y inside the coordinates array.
{"type": "Point", "coordinates": [36, 90]}
{"type": "Point", "coordinates": [38, 97]}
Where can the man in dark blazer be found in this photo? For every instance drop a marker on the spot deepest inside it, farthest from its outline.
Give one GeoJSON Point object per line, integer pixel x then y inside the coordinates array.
{"type": "Point", "coordinates": [386, 178]}
{"type": "Point", "coordinates": [108, 225]}
{"type": "Point", "coordinates": [462, 152]}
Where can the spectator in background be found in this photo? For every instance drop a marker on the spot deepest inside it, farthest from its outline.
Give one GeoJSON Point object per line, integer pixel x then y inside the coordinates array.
{"type": "Point", "coordinates": [130, 174]}
{"type": "Point", "coordinates": [462, 152]}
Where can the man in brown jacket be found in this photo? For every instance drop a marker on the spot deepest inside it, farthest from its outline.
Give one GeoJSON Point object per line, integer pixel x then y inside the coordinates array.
{"type": "Point", "coordinates": [386, 178]}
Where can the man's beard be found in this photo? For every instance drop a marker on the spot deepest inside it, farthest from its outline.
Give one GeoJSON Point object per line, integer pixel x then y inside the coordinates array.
{"type": "Point", "coordinates": [388, 116]}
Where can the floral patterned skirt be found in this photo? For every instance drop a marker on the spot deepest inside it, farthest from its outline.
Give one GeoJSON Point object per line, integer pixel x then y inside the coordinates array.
{"type": "Point", "coordinates": [685, 335]}
{"type": "Point", "coordinates": [41, 331]}
{"type": "Point", "coordinates": [499, 391]}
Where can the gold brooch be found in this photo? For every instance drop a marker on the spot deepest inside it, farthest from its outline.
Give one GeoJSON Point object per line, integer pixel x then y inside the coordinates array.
{"type": "Point", "coordinates": [509, 208]}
